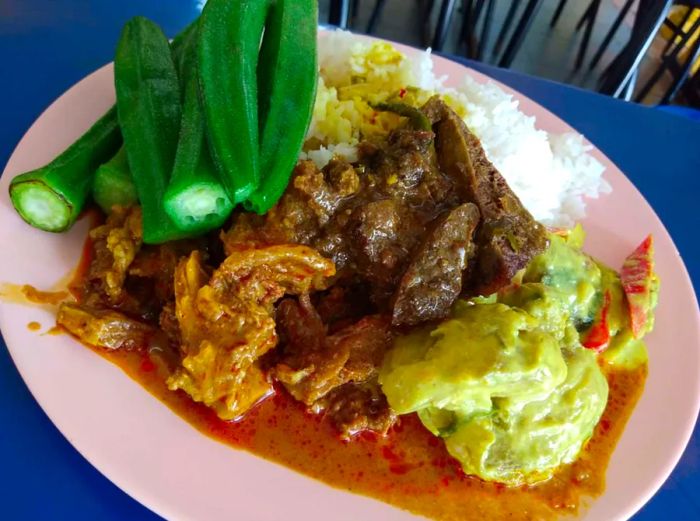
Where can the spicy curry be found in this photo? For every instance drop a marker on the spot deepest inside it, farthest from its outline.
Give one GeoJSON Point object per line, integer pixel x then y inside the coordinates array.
{"type": "Point", "coordinates": [316, 335]}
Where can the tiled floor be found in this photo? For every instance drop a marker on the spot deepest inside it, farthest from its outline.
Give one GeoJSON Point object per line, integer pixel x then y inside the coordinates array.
{"type": "Point", "coordinates": [546, 52]}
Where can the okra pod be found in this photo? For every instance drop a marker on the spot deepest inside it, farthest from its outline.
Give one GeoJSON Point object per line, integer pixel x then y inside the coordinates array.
{"type": "Point", "coordinates": [287, 78]}
{"type": "Point", "coordinates": [195, 199]}
{"type": "Point", "coordinates": [148, 102]}
{"type": "Point", "coordinates": [229, 43]}
{"type": "Point", "coordinates": [113, 185]}
{"type": "Point", "coordinates": [52, 197]}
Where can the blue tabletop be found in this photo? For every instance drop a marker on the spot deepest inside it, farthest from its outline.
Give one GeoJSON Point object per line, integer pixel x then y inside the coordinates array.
{"type": "Point", "coordinates": [45, 47]}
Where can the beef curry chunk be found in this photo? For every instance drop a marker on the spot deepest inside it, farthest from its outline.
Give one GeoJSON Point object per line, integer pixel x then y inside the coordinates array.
{"type": "Point", "coordinates": [368, 218]}
{"type": "Point", "coordinates": [314, 366]}
{"type": "Point", "coordinates": [356, 407]}
{"type": "Point", "coordinates": [359, 249]}
{"type": "Point", "coordinates": [433, 279]}
{"type": "Point", "coordinates": [508, 236]}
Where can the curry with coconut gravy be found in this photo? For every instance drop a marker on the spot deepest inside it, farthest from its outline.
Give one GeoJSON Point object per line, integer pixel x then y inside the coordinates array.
{"type": "Point", "coordinates": [409, 468]}
{"type": "Point", "coordinates": [284, 335]}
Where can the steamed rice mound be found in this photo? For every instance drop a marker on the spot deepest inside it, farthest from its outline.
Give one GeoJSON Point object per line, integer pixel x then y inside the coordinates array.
{"type": "Point", "coordinates": [550, 173]}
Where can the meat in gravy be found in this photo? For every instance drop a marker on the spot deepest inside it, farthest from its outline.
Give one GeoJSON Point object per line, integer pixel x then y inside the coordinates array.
{"type": "Point", "coordinates": [421, 218]}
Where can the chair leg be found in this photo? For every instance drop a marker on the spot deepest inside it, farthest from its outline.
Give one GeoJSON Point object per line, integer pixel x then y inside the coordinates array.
{"type": "Point", "coordinates": [338, 13]}
{"type": "Point", "coordinates": [443, 25]}
{"type": "Point", "coordinates": [374, 17]}
{"type": "Point", "coordinates": [510, 16]}
{"type": "Point", "coordinates": [354, 9]}
{"type": "Point", "coordinates": [485, 29]}
{"type": "Point", "coordinates": [477, 10]}
{"type": "Point", "coordinates": [651, 81]}
{"type": "Point", "coordinates": [521, 29]}
{"type": "Point", "coordinates": [608, 37]}
{"type": "Point", "coordinates": [595, 4]}
{"type": "Point", "coordinates": [427, 36]}
{"type": "Point", "coordinates": [466, 32]}
{"type": "Point", "coordinates": [680, 80]}
{"type": "Point", "coordinates": [629, 88]}
{"type": "Point", "coordinates": [557, 13]}
{"type": "Point", "coordinates": [649, 19]}
{"type": "Point", "coordinates": [586, 15]}
{"type": "Point", "coordinates": [666, 62]}
{"type": "Point", "coordinates": [685, 71]}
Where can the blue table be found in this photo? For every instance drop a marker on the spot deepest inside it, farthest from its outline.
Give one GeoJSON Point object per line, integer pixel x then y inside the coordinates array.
{"type": "Point", "coordinates": [45, 47]}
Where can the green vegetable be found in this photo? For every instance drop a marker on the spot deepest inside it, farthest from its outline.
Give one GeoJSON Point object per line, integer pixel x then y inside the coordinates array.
{"type": "Point", "coordinates": [195, 199]}
{"type": "Point", "coordinates": [181, 48]}
{"type": "Point", "coordinates": [113, 184]}
{"type": "Point", "coordinates": [52, 197]}
{"type": "Point", "coordinates": [229, 42]}
{"type": "Point", "coordinates": [506, 385]}
{"type": "Point", "coordinates": [287, 79]}
{"type": "Point", "coordinates": [148, 101]}
{"type": "Point", "coordinates": [419, 120]}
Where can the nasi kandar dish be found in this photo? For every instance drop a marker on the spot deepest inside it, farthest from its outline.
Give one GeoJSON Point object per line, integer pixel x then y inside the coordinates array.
{"type": "Point", "coordinates": [314, 249]}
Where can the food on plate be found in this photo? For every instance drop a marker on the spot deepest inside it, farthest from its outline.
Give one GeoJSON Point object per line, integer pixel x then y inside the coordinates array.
{"type": "Point", "coordinates": [508, 381]}
{"type": "Point", "coordinates": [113, 185]}
{"type": "Point", "coordinates": [195, 199]}
{"type": "Point", "coordinates": [51, 197]}
{"type": "Point", "coordinates": [352, 260]}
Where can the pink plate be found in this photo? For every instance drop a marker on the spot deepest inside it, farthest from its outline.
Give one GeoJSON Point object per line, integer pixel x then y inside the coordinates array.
{"type": "Point", "coordinates": [160, 460]}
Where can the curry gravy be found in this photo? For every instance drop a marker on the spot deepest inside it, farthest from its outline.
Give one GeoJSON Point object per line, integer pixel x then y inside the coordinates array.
{"type": "Point", "coordinates": [410, 468]}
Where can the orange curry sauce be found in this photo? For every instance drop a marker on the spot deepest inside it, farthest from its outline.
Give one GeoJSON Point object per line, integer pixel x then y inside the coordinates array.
{"type": "Point", "coordinates": [409, 468]}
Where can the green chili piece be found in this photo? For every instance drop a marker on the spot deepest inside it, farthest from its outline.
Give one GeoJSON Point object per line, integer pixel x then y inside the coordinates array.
{"type": "Point", "coordinates": [287, 79]}
{"type": "Point", "coordinates": [419, 120]}
{"type": "Point", "coordinates": [195, 199]}
{"type": "Point", "coordinates": [52, 197]}
{"type": "Point", "coordinates": [148, 102]}
{"type": "Point", "coordinates": [229, 43]}
{"type": "Point", "coordinates": [113, 184]}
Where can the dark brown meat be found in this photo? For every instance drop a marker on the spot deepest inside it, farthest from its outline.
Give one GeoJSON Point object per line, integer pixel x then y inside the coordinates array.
{"type": "Point", "coordinates": [311, 198]}
{"type": "Point", "coordinates": [366, 218]}
{"type": "Point", "coordinates": [508, 236]}
{"type": "Point", "coordinates": [354, 408]}
{"type": "Point", "coordinates": [343, 304]}
{"type": "Point", "coordinates": [433, 279]}
{"type": "Point", "coordinates": [312, 364]}
{"type": "Point", "coordinates": [169, 325]}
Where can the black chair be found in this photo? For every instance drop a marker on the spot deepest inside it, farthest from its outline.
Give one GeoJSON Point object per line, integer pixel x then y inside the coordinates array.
{"type": "Point", "coordinates": [670, 62]}
{"type": "Point", "coordinates": [505, 28]}
{"type": "Point", "coordinates": [437, 40]}
{"type": "Point", "coordinates": [619, 78]}
{"type": "Point", "coordinates": [521, 30]}
{"type": "Point", "coordinates": [691, 90]}
{"type": "Point", "coordinates": [609, 36]}
{"type": "Point", "coordinates": [587, 21]}
{"type": "Point", "coordinates": [473, 10]}
{"type": "Point", "coordinates": [339, 13]}
{"type": "Point", "coordinates": [475, 41]}
{"type": "Point", "coordinates": [676, 30]}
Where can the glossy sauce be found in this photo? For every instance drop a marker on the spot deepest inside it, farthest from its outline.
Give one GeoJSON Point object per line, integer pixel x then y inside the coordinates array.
{"type": "Point", "coordinates": [410, 468]}
{"type": "Point", "coordinates": [34, 326]}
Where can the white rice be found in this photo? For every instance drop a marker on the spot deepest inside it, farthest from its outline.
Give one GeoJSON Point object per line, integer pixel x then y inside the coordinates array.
{"type": "Point", "coordinates": [551, 173]}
